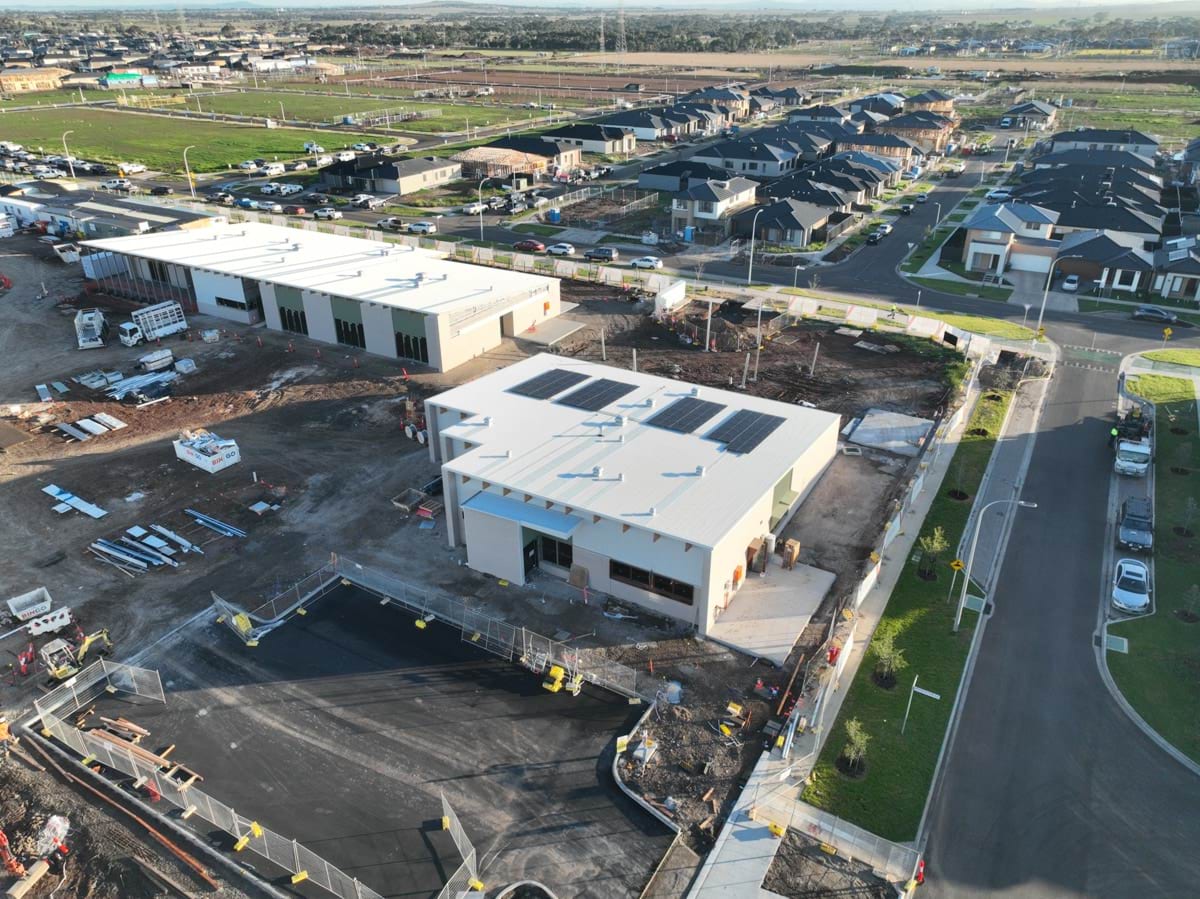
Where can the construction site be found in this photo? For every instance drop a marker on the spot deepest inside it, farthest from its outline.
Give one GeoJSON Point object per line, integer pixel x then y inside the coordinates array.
{"type": "Point", "coordinates": [289, 635]}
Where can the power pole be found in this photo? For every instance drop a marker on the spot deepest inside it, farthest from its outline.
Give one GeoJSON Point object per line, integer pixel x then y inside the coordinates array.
{"type": "Point", "coordinates": [622, 47]}
{"type": "Point", "coordinates": [602, 39]}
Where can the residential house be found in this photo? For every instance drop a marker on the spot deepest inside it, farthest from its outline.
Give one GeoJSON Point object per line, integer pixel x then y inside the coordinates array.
{"type": "Point", "coordinates": [377, 174]}
{"type": "Point", "coordinates": [930, 131]}
{"type": "Point", "coordinates": [806, 141]}
{"type": "Point", "coordinates": [784, 96]}
{"type": "Point", "coordinates": [760, 107]}
{"type": "Point", "coordinates": [791, 222]}
{"type": "Point", "coordinates": [931, 101]}
{"type": "Point", "coordinates": [676, 176]}
{"type": "Point", "coordinates": [808, 190]}
{"type": "Point", "coordinates": [1102, 159]}
{"type": "Point", "coordinates": [891, 146]}
{"type": "Point", "coordinates": [1189, 163]}
{"type": "Point", "coordinates": [603, 139]}
{"type": "Point", "coordinates": [709, 205]}
{"type": "Point", "coordinates": [646, 124]}
{"type": "Point", "coordinates": [21, 80]}
{"type": "Point", "coordinates": [1177, 269]}
{"type": "Point", "coordinates": [1134, 142]}
{"type": "Point", "coordinates": [1034, 113]}
{"type": "Point", "coordinates": [560, 157]}
{"type": "Point", "coordinates": [821, 113]}
{"type": "Point", "coordinates": [1112, 217]}
{"type": "Point", "coordinates": [1105, 261]}
{"type": "Point", "coordinates": [1015, 236]}
{"type": "Point", "coordinates": [749, 156]}
{"type": "Point", "coordinates": [866, 119]}
{"type": "Point", "coordinates": [885, 104]}
{"type": "Point", "coordinates": [711, 118]}
{"type": "Point", "coordinates": [889, 171]}
{"type": "Point", "coordinates": [733, 98]}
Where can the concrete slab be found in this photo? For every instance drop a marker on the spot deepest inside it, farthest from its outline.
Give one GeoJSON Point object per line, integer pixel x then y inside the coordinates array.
{"type": "Point", "coordinates": [552, 331]}
{"type": "Point", "coordinates": [894, 432]}
{"type": "Point", "coordinates": [768, 614]}
{"type": "Point", "coordinates": [341, 729]}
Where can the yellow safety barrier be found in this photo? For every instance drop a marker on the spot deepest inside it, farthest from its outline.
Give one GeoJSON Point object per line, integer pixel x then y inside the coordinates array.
{"type": "Point", "coordinates": [241, 844]}
{"type": "Point", "coordinates": [256, 829]}
{"type": "Point", "coordinates": [445, 822]}
{"type": "Point", "coordinates": [299, 876]}
{"type": "Point", "coordinates": [776, 829]}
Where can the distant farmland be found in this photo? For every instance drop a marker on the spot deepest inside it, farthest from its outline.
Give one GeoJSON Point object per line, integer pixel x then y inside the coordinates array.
{"type": "Point", "coordinates": [158, 141]}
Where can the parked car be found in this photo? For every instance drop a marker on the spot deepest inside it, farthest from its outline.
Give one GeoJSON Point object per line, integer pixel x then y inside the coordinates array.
{"type": "Point", "coordinates": [319, 199]}
{"type": "Point", "coordinates": [529, 245]}
{"type": "Point", "coordinates": [1006, 122]}
{"type": "Point", "coordinates": [362, 147]}
{"type": "Point", "coordinates": [117, 184]}
{"type": "Point", "coordinates": [247, 203]}
{"type": "Point", "coordinates": [907, 209]}
{"type": "Point", "coordinates": [874, 237]}
{"type": "Point", "coordinates": [1155, 314]}
{"type": "Point", "coordinates": [1131, 586]}
{"type": "Point", "coordinates": [922, 198]}
{"type": "Point", "coordinates": [422, 228]}
{"type": "Point", "coordinates": [269, 189]}
{"type": "Point", "coordinates": [516, 208]}
{"type": "Point", "coordinates": [294, 210]}
{"type": "Point", "coordinates": [998, 195]}
{"type": "Point", "coordinates": [313, 147]}
{"type": "Point", "coordinates": [602, 254]}
{"type": "Point", "coordinates": [1136, 530]}
{"type": "Point", "coordinates": [161, 190]}
{"type": "Point", "coordinates": [131, 168]}
{"type": "Point", "coordinates": [1070, 283]}
{"type": "Point", "coordinates": [321, 161]}
{"type": "Point", "coordinates": [391, 223]}
{"type": "Point", "coordinates": [496, 202]}
{"type": "Point", "coordinates": [370, 203]}
{"type": "Point", "coordinates": [344, 156]}
{"type": "Point", "coordinates": [358, 198]}
{"type": "Point", "coordinates": [560, 249]}
{"type": "Point", "coordinates": [248, 166]}
{"type": "Point", "coordinates": [475, 208]}
{"type": "Point", "coordinates": [300, 166]}
{"type": "Point", "coordinates": [224, 197]}
{"type": "Point", "coordinates": [98, 168]}
{"type": "Point", "coordinates": [287, 190]}
{"type": "Point", "coordinates": [268, 206]}
{"type": "Point", "coordinates": [884, 230]}
{"type": "Point", "coordinates": [327, 214]}
{"type": "Point", "coordinates": [647, 262]}
{"type": "Point", "coordinates": [538, 202]}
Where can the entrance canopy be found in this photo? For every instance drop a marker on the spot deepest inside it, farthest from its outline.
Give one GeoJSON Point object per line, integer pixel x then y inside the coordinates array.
{"type": "Point", "coordinates": [546, 521]}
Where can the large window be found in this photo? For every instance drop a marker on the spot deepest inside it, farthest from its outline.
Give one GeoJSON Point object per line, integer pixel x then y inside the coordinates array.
{"type": "Point", "coordinates": [349, 333]}
{"type": "Point", "coordinates": [648, 580]}
{"type": "Point", "coordinates": [411, 347]}
{"type": "Point", "coordinates": [231, 304]}
{"type": "Point", "coordinates": [291, 320]}
{"type": "Point", "coordinates": [556, 552]}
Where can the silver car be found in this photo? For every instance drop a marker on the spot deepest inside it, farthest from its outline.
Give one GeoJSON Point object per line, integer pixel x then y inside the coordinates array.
{"type": "Point", "coordinates": [1131, 586]}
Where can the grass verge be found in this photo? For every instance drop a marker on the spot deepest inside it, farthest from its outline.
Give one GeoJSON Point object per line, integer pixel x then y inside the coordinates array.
{"type": "Point", "coordinates": [1161, 389]}
{"type": "Point", "coordinates": [979, 324]}
{"type": "Point", "coordinates": [1158, 676]}
{"type": "Point", "coordinates": [987, 291]}
{"type": "Point", "coordinates": [1177, 357]}
{"type": "Point", "coordinates": [889, 799]}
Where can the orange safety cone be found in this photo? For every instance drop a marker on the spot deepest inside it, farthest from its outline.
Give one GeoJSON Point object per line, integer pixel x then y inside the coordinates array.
{"type": "Point", "coordinates": [258, 340]}
{"type": "Point", "coordinates": [404, 371]}
{"type": "Point", "coordinates": [291, 349]}
{"type": "Point", "coordinates": [318, 352]}
{"type": "Point", "coordinates": [355, 361]}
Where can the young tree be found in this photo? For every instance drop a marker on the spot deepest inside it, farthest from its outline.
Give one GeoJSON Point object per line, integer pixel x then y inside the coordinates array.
{"type": "Point", "coordinates": [932, 546]}
{"type": "Point", "coordinates": [857, 741]}
{"type": "Point", "coordinates": [888, 658]}
{"type": "Point", "coordinates": [1190, 508]}
{"type": "Point", "coordinates": [814, 281]}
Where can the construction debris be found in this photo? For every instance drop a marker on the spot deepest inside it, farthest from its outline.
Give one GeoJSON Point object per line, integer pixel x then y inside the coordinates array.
{"type": "Point", "coordinates": [206, 450]}
{"type": "Point", "coordinates": [68, 501]}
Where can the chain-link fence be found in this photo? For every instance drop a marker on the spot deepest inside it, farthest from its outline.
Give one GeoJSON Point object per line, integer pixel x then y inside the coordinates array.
{"type": "Point", "coordinates": [176, 784]}
{"type": "Point", "coordinates": [467, 873]}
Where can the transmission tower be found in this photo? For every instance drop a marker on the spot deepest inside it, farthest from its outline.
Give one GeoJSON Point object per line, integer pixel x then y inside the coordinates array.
{"type": "Point", "coordinates": [621, 48]}
{"type": "Point", "coordinates": [601, 33]}
{"type": "Point", "coordinates": [182, 20]}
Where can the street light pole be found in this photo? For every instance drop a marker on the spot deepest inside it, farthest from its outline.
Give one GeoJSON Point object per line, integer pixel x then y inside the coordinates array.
{"type": "Point", "coordinates": [750, 269]}
{"type": "Point", "coordinates": [481, 209]}
{"type": "Point", "coordinates": [282, 114]}
{"type": "Point", "coordinates": [1046, 290]}
{"type": "Point", "coordinates": [938, 220]}
{"type": "Point", "coordinates": [188, 171]}
{"type": "Point", "coordinates": [962, 596]}
{"type": "Point", "coordinates": [796, 275]}
{"type": "Point", "coordinates": [67, 153]}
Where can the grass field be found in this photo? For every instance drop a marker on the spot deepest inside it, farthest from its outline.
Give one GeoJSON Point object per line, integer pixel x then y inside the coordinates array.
{"type": "Point", "coordinates": [1178, 357]}
{"type": "Point", "coordinates": [157, 141]}
{"type": "Point", "coordinates": [1161, 389]}
{"type": "Point", "coordinates": [1158, 675]}
{"type": "Point", "coordinates": [987, 291]}
{"type": "Point", "coordinates": [900, 767]}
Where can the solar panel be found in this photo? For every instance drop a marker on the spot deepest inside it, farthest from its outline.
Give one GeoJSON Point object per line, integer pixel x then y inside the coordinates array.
{"type": "Point", "coordinates": [685, 415]}
{"type": "Point", "coordinates": [549, 383]}
{"type": "Point", "coordinates": [745, 430]}
{"type": "Point", "coordinates": [596, 395]}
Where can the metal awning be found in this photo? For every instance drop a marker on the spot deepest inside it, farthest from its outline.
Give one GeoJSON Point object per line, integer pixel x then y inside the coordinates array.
{"type": "Point", "coordinates": [531, 515]}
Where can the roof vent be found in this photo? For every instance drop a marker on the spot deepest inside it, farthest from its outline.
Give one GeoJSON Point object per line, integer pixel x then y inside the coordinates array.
{"type": "Point", "coordinates": [487, 421]}
{"type": "Point", "coordinates": [619, 421]}
{"type": "Point", "coordinates": [621, 478]}
{"type": "Point", "coordinates": [700, 471]}
{"type": "Point", "coordinates": [653, 511]}
{"type": "Point", "coordinates": [695, 391]}
{"type": "Point", "coordinates": [508, 454]}
{"type": "Point", "coordinates": [597, 471]}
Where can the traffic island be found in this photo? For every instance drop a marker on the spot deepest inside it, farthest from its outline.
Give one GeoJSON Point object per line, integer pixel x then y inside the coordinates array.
{"type": "Point", "coordinates": [1153, 659]}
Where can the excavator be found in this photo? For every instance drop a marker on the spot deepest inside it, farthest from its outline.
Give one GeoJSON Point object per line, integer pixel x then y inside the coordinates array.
{"type": "Point", "coordinates": [64, 658]}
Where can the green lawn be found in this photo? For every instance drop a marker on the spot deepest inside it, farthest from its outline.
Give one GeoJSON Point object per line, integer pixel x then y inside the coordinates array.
{"type": "Point", "coordinates": [1159, 674]}
{"type": "Point", "coordinates": [158, 142]}
{"type": "Point", "coordinates": [47, 98]}
{"type": "Point", "coordinates": [900, 767]}
{"type": "Point", "coordinates": [1178, 357]}
{"type": "Point", "coordinates": [1161, 389]}
{"type": "Point", "coordinates": [987, 291]}
{"type": "Point", "coordinates": [979, 324]}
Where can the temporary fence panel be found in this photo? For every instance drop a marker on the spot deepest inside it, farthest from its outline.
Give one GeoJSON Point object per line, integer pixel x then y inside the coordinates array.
{"type": "Point", "coordinates": [868, 583]}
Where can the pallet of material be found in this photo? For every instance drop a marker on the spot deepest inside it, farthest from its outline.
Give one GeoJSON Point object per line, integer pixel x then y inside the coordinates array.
{"type": "Point", "coordinates": [64, 496]}
{"type": "Point", "coordinates": [109, 421]}
{"type": "Point", "coordinates": [73, 432]}
{"type": "Point", "coordinates": [92, 427]}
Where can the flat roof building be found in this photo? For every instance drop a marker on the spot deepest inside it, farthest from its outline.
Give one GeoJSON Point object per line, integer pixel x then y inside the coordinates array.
{"type": "Point", "coordinates": [644, 488]}
{"type": "Point", "coordinates": [394, 300]}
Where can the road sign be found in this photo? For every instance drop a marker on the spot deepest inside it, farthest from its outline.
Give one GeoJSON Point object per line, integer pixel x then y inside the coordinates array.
{"type": "Point", "coordinates": [1167, 332]}
{"type": "Point", "coordinates": [925, 692]}
{"type": "Point", "coordinates": [957, 565]}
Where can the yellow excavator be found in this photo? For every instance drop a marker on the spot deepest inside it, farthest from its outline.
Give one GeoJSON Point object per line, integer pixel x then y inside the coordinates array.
{"type": "Point", "coordinates": [64, 659]}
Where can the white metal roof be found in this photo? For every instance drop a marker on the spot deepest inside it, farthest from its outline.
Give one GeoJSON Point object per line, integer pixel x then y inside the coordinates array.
{"type": "Point", "coordinates": [550, 450]}
{"type": "Point", "coordinates": [351, 267]}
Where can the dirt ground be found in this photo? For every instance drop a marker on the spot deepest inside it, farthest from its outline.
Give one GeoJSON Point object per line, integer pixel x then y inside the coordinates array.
{"type": "Point", "coordinates": [803, 870]}
{"type": "Point", "coordinates": [321, 433]}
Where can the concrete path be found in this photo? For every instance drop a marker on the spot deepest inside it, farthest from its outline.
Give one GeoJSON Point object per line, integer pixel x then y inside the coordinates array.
{"type": "Point", "coordinates": [1027, 291]}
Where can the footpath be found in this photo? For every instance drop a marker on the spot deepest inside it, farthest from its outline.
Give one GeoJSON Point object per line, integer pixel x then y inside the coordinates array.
{"type": "Point", "coordinates": [746, 846]}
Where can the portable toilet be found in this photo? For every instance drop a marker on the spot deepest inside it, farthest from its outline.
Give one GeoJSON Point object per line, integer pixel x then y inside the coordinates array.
{"type": "Point", "coordinates": [689, 233]}
{"type": "Point", "coordinates": [554, 216]}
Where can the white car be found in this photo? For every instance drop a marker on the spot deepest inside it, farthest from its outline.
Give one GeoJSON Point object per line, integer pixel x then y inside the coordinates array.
{"type": "Point", "coordinates": [360, 198]}
{"type": "Point", "coordinates": [360, 147]}
{"type": "Point", "coordinates": [117, 184]}
{"type": "Point", "coordinates": [300, 166]}
{"type": "Point", "coordinates": [1070, 283]}
{"type": "Point", "coordinates": [475, 208]}
{"type": "Point", "coordinates": [286, 190]}
{"type": "Point", "coordinates": [325, 213]}
{"type": "Point", "coordinates": [344, 156]}
{"type": "Point", "coordinates": [999, 195]}
{"type": "Point", "coordinates": [885, 229]}
{"type": "Point", "coordinates": [321, 161]}
{"type": "Point", "coordinates": [422, 228]}
{"type": "Point", "coordinates": [1131, 586]}
{"type": "Point", "coordinates": [248, 165]}
{"type": "Point", "coordinates": [313, 147]}
{"type": "Point", "coordinates": [647, 262]}
{"type": "Point", "coordinates": [270, 189]}
{"type": "Point", "coordinates": [560, 249]}
{"type": "Point", "coordinates": [131, 168]}
{"type": "Point", "coordinates": [267, 206]}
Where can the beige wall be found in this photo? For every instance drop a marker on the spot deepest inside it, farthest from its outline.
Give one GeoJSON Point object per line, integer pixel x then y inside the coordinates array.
{"type": "Point", "coordinates": [494, 545]}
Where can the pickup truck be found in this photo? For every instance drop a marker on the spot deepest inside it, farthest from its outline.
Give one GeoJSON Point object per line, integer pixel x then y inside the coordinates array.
{"type": "Point", "coordinates": [391, 223]}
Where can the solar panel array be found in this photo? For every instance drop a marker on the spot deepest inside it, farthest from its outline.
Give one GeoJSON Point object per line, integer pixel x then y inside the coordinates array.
{"type": "Point", "coordinates": [685, 415]}
{"type": "Point", "coordinates": [596, 395]}
{"type": "Point", "coordinates": [745, 430]}
{"type": "Point", "coordinates": [548, 383]}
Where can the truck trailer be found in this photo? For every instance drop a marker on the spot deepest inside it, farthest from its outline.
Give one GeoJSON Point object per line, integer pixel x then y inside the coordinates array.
{"type": "Point", "coordinates": [152, 323]}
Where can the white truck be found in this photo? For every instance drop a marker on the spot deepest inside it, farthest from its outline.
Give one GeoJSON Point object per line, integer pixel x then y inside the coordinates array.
{"type": "Point", "coordinates": [90, 328]}
{"type": "Point", "coordinates": [153, 322]}
{"type": "Point", "coordinates": [1133, 457]}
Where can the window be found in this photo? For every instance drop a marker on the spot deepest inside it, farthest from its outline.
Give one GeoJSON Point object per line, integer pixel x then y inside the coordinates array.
{"type": "Point", "coordinates": [349, 333]}
{"type": "Point", "coordinates": [655, 583]}
{"type": "Point", "coordinates": [706, 206]}
{"type": "Point", "coordinates": [753, 166]}
{"type": "Point", "coordinates": [291, 320]}
{"type": "Point", "coordinates": [556, 552]}
{"type": "Point", "coordinates": [411, 347]}
{"type": "Point", "coordinates": [158, 270]}
{"type": "Point", "coordinates": [231, 304]}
